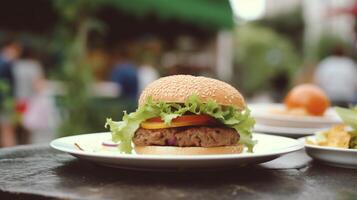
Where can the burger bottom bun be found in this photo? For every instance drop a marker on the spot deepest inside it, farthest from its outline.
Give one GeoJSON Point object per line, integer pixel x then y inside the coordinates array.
{"type": "Point", "coordinates": [170, 150]}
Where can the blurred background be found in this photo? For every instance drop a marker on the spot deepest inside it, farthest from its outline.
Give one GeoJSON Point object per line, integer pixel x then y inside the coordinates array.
{"type": "Point", "coordinates": [67, 65]}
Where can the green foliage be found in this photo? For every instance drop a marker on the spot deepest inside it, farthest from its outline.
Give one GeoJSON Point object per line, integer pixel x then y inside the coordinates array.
{"type": "Point", "coordinates": [72, 37]}
{"type": "Point", "coordinates": [7, 105]}
{"type": "Point", "coordinates": [96, 113]}
{"type": "Point", "coordinates": [348, 116]}
{"type": "Point", "coordinates": [289, 23]}
{"type": "Point", "coordinates": [261, 54]}
{"type": "Point", "coordinates": [324, 46]}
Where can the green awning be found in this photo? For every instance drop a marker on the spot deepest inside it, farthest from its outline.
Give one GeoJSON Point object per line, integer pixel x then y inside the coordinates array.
{"type": "Point", "coordinates": [214, 14]}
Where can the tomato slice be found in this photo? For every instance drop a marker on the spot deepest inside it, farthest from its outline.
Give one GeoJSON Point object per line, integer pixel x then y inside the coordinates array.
{"type": "Point", "coordinates": [185, 120]}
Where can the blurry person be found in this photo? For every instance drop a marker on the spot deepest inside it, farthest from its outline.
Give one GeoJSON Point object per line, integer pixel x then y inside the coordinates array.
{"type": "Point", "coordinates": [38, 114]}
{"type": "Point", "coordinates": [28, 73]}
{"type": "Point", "coordinates": [29, 81]}
{"type": "Point", "coordinates": [279, 83]}
{"type": "Point", "coordinates": [41, 117]}
{"type": "Point", "coordinates": [336, 75]}
{"type": "Point", "coordinates": [125, 74]}
{"type": "Point", "coordinates": [9, 53]}
{"type": "Point", "coordinates": [146, 72]}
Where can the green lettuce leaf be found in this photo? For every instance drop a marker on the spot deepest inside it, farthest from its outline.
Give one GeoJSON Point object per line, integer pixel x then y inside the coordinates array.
{"type": "Point", "coordinates": [240, 120]}
{"type": "Point", "coordinates": [353, 141]}
{"type": "Point", "coordinates": [348, 116]}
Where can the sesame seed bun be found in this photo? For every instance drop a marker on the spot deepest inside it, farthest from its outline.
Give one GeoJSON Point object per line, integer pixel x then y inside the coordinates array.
{"type": "Point", "coordinates": [170, 150]}
{"type": "Point", "coordinates": [177, 88]}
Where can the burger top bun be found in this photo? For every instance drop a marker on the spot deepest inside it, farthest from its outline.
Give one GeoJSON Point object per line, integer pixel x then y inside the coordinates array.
{"type": "Point", "coordinates": [177, 88]}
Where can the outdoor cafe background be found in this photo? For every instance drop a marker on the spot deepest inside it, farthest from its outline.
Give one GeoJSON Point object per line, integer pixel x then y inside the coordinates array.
{"type": "Point", "coordinates": [67, 65]}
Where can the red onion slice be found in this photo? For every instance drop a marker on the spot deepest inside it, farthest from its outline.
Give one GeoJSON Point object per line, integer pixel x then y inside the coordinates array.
{"type": "Point", "coordinates": [172, 141]}
{"type": "Point", "coordinates": [109, 144]}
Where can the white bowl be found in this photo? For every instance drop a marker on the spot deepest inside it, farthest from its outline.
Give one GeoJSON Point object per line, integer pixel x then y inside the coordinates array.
{"type": "Point", "coordinates": [331, 155]}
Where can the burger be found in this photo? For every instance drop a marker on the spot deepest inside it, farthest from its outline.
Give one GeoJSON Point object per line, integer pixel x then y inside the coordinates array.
{"type": "Point", "coordinates": [186, 115]}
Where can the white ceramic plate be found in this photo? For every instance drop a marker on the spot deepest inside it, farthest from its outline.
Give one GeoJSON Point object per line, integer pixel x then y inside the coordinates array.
{"type": "Point", "coordinates": [268, 148]}
{"type": "Point", "coordinates": [264, 114]}
{"type": "Point", "coordinates": [331, 155]}
{"type": "Point", "coordinates": [285, 131]}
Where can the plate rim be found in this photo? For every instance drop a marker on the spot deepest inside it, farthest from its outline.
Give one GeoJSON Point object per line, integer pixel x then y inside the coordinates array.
{"type": "Point", "coordinates": [297, 146]}
{"type": "Point", "coordinates": [285, 130]}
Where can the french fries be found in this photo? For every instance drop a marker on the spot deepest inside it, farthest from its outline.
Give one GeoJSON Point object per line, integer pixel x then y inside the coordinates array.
{"type": "Point", "coordinates": [337, 136]}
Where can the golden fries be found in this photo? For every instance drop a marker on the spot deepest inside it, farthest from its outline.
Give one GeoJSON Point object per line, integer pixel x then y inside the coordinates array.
{"type": "Point", "coordinates": [337, 136]}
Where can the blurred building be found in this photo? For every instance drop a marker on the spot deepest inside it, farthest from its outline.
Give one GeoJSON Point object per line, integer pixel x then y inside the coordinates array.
{"type": "Point", "coordinates": [321, 18]}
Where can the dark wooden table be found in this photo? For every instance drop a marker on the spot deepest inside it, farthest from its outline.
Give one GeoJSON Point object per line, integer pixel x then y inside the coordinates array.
{"type": "Point", "coordinates": [38, 172]}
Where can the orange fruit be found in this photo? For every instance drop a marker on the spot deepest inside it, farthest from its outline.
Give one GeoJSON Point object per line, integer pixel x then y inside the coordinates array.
{"type": "Point", "coordinates": [307, 96]}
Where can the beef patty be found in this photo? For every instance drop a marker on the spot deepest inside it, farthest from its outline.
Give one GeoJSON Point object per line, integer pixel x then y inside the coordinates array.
{"type": "Point", "coordinates": [198, 136]}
